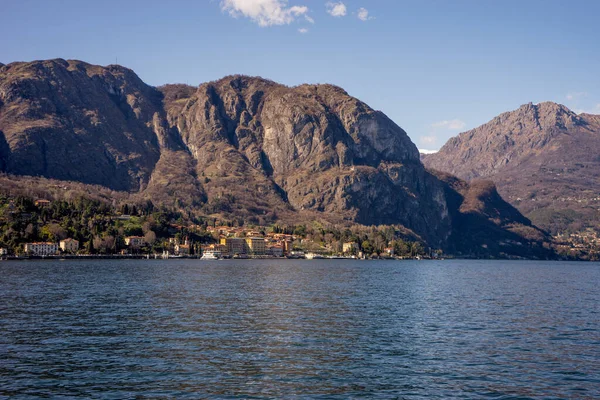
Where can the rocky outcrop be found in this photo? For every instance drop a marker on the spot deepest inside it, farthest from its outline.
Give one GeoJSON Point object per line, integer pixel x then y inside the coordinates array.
{"type": "Point", "coordinates": [311, 147]}
{"type": "Point", "coordinates": [543, 158]}
{"type": "Point", "coordinates": [74, 121]}
{"type": "Point", "coordinates": [240, 147]}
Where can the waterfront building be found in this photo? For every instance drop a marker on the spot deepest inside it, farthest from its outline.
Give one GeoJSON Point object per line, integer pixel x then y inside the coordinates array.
{"type": "Point", "coordinates": [182, 249]}
{"type": "Point", "coordinates": [276, 251]}
{"type": "Point", "coordinates": [134, 241]}
{"type": "Point", "coordinates": [221, 248]}
{"type": "Point", "coordinates": [235, 245]}
{"type": "Point", "coordinates": [3, 251]}
{"type": "Point", "coordinates": [256, 245]}
{"type": "Point", "coordinates": [41, 248]}
{"type": "Point", "coordinates": [287, 247]}
{"type": "Point", "coordinates": [350, 247]}
{"type": "Point", "coordinates": [69, 245]}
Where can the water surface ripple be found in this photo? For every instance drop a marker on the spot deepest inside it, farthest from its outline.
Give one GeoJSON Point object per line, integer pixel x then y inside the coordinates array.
{"type": "Point", "coordinates": [332, 329]}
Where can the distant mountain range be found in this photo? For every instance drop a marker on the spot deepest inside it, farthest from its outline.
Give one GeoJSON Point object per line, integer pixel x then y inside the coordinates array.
{"type": "Point", "coordinates": [240, 148]}
{"type": "Point", "coordinates": [544, 158]}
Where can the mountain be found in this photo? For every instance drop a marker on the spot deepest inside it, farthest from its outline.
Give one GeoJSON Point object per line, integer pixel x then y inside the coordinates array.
{"type": "Point", "coordinates": [242, 148]}
{"type": "Point", "coordinates": [544, 158]}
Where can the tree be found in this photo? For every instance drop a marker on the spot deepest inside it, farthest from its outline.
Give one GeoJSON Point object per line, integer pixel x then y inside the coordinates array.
{"type": "Point", "coordinates": [416, 249]}
{"type": "Point", "coordinates": [378, 243]}
{"type": "Point", "coordinates": [367, 247]}
{"type": "Point", "coordinates": [57, 231]}
{"type": "Point", "coordinates": [150, 237]}
{"type": "Point", "coordinates": [401, 248]}
{"type": "Point", "coordinates": [90, 246]}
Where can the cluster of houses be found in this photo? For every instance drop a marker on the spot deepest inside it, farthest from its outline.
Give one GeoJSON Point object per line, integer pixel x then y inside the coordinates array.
{"type": "Point", "coordinates": [240, 242]}
{"type": "Point", "coordinates": [230, 242]}
{"type": "Point", "coordinates": [587, 241]}
{"type": "Point", "coordinates": [255, 246]}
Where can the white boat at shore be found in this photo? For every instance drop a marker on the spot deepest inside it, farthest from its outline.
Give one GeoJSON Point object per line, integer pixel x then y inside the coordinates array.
{"type": "Point", "coordinates": [211, 255]}
{"type": "Point", "coordinates": [314, 256]}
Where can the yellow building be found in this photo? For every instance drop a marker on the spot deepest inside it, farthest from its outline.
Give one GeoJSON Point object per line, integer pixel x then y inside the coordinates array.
{"type": "Point", "coordinates": [235, 245]}
{"type": "Point", "coordinates": [42, 203]}
{"type": "Point", "coordinates": [256, 245]}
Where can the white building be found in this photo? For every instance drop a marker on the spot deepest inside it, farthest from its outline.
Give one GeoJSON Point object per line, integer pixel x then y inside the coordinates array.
{"type": "Point", "coordinates": [182, 249]}
{"type": "Point", "coordinates": [3, 251]}
{"type": "Point", "coordinates": [350, 247]}
{"type": "Point", "coordinates": [41, 248]}
{"type": "Point", "coordinates": [69, 245]}
{"type": "Point", "coordinates": [135, 241]}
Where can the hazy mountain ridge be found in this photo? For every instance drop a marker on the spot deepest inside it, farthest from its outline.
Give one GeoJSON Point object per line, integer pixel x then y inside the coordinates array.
{"type": "Point", "coordinates": [237, 147]}
{"type": "Point", "coordinates": [544, 159]}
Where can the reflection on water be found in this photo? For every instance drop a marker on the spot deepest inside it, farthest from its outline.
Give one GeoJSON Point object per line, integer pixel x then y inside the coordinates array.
{"type": "Point", "coordinates": [329, 329]}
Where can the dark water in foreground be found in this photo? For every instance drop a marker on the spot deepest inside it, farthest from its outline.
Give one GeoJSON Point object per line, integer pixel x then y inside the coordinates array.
{"type": "Point", "coordinates": [299, 329]}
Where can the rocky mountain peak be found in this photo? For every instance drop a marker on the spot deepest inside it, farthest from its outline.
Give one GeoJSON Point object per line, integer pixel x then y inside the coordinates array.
{"type": "Point", "coordinates": [506, 138]}
{"type": "Point", "coordinates": [543, 157]}
{"type": "Point", "coordinates": [532, 117]}
{"type": "Point", "coordinates": [71, 120]}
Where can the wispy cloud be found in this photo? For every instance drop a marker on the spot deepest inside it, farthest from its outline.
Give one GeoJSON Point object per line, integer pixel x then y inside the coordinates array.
{"type": "Point", "coordinates": [363, 14]}
{"type": "Point", "coordinates": [453, 125]}
{"type": "Point", "coordinates": [575, 95]}
{"type": "Point", "coordinates": [265, 12]}
{"type": "Point", "coordinates": [336, 9]}
{"type": "Point", "coordinates": [303, 30]}
{"type": "Point", "coordinates": [309, 19]}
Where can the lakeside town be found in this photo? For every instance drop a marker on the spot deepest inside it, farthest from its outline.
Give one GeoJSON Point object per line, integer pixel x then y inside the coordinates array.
{"type": "Point", "coordinates": [43, 228]}
{"type": "Point", "coordinates": [238, 243]}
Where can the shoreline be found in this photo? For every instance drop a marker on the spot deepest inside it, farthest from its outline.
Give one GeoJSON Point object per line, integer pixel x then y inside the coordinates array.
{"type": "Point", "coordinates": [159, 257]}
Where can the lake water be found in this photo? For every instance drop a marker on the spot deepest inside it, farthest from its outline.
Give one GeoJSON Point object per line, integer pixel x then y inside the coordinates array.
{"type": "Point", "coordinates": [299, 329]}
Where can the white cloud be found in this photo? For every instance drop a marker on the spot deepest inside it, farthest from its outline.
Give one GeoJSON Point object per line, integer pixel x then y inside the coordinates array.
{"type": "Point", "coordinates": [309, 19]}
{"type": "Point", "coordinates": [303, 30]}
{"type": "Point", "coordinates": [363, 14]}
{"type": "Point", "coordinates": [425, 151]}
{"type": "Point", "coordinates": [594, 110]}
{"type": "Point", "coordinates": [574, 95]}
{"type": "Point", "coordinates": [428, 139]}
{"type": "Point", "coordinates": [264, 12]}
{"type": "Point", "coordinates": [336, 9]}
{"type": "Point", "coordinates": [454, 125]}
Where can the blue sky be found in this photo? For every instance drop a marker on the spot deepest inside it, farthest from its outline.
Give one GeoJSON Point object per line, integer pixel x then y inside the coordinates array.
{"type": "Point", "coordinates": [435, 67]}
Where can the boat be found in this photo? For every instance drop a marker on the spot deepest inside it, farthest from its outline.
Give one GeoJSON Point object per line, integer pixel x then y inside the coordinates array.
{"type": "Point", "coordinates": [211, 255]}
{"type": "Point", "coordinates": [314, 256]}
